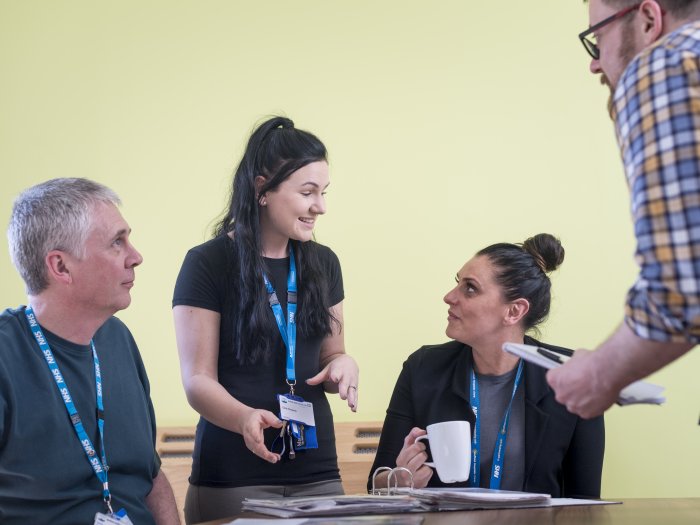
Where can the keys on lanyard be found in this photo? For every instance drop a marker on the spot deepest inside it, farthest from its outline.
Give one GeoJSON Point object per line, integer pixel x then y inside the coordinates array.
{"type": "Point", "coordinates": [298, 417]}
{"type": "Point", "coordinates": [293, 435]}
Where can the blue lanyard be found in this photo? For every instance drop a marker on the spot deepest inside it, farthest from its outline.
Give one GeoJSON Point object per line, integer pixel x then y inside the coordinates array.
{"type": "Point", "coordinates": [288, 330]}
{"type": "Point", "coordinates": [99, 465]}
{"type": "Point", "coordinates": [500, 448]}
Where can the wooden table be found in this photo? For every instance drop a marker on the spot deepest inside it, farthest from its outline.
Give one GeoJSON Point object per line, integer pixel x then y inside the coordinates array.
{"type": "Point", "coordinates": [672, 511]}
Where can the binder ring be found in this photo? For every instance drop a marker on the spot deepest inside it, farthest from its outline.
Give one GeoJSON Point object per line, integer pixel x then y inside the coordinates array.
{"type": "Point", "coordinates": [376, 491]}
{"type": "Point", "coordinates": [389, 488]}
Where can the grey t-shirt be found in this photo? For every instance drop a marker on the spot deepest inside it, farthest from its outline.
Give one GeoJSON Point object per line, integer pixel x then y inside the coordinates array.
{"type": "Point", "coordinates": [494, 394]}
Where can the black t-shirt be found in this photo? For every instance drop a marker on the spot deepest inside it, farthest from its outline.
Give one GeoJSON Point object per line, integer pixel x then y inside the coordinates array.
{"type": "Point", "coordinates": [220, 457]}
{"type": "Point", "coordinates": [45, 476]}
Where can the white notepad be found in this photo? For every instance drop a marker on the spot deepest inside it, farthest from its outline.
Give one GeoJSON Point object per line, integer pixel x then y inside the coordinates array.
{"type": "Point", "coordinates": [637, 392]}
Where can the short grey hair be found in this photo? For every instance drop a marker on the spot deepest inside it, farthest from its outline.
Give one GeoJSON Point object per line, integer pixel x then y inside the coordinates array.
{"type": "Point", "coordinates": [53, 215]}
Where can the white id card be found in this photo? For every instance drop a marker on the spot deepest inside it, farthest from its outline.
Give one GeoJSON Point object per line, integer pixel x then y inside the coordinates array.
{"type": "Point", "coordinates": [106, 519]}
{"type": "Point", "coordinates": [301, 411]}
{"type": "Point", "coordinates": [120, 518]}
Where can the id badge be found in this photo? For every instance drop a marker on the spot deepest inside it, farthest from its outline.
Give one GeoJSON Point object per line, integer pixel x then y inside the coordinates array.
{"type": "Point", "coordinates": [106, 519]}
{"type": "Point", "coordinates": [296, 409]}
{"type": "Point", "coordinates": [302, 425]}
{"type": "Point", "coordinates": [118, 518]}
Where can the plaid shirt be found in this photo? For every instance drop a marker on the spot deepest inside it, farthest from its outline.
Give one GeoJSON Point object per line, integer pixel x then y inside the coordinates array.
{"type": "Point", "coordinates": [657, 121]}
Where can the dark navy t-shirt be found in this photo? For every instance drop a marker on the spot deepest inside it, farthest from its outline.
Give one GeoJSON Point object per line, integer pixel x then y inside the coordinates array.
{"type": "Point", "coordinates": [45, 476]}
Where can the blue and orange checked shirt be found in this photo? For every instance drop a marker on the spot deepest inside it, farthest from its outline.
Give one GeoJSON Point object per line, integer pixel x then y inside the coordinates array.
{"type": "Point", "coordinates": [657, 121]}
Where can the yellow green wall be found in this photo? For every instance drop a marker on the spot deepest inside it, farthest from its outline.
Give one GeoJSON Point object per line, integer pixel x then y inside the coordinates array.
{"type": "Point", "coordinates": [451, 125]}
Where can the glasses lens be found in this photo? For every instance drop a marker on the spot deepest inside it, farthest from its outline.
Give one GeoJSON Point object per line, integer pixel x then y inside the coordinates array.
{"type": "Point", "coordinates": [590, 45]}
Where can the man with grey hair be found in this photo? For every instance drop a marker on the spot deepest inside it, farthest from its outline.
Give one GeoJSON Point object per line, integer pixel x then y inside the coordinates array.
{"type": "Point", "coordinates": [648, 53]}
{"type": "Point", "coordinates": [77, 426]}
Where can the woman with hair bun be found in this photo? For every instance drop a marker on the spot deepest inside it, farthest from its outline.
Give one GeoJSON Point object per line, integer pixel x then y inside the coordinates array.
{"type": "Point", "coordinates": [259, 323]}
{"type": "Point", "coordinates": [502, 293]}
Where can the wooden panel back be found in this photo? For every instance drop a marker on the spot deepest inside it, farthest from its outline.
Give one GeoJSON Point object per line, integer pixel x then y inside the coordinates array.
{"type": "Point", "coordinates": [356, 444]}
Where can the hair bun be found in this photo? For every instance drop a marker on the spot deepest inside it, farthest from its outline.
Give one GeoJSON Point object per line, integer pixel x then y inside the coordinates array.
{"type": "Point", "coordinates": [272, 124]}
{"type": "Point", "coordinates": [285, 123]}
{"type": "Point", "coordinates": [546, 250]}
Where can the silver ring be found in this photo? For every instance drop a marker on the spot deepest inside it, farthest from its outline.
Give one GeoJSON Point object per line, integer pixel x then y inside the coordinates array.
{"type": "Point", "coordinates": [353, 386]}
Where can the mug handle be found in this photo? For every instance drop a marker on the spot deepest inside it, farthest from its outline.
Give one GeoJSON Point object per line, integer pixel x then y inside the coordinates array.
{"type": "Point", "coordinates": [430, 464]}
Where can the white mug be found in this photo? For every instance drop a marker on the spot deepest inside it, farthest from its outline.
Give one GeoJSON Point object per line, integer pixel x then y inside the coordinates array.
{"type": "Point", "coordinates": [450, 446]}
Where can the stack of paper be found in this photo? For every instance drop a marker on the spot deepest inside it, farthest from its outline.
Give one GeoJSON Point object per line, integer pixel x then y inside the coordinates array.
{"type": "Point", "coordinates": [637, 392]}
{"type": "Point", "coordinates": [641, 392]}
{"type": "Point", "coordinates": [374, 519]}
{"type": "Point", "coordinates": [475, 498]}
{"type": "Point", "coordinates": [365, 508]}
{"type": "Point", "coordinates": [332, 505]}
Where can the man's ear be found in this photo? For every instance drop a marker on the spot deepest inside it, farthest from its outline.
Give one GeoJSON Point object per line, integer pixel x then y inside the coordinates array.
{"type": "Point", "coordinates": [57, 267]}
{"type": "Point", "coordinates": [516, 311]}
{"type": "Point", "coordinates": [651, 18]}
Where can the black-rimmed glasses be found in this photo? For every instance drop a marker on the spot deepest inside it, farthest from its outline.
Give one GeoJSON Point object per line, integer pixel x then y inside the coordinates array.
{"type": "Point", "coordinates": [587, 38]}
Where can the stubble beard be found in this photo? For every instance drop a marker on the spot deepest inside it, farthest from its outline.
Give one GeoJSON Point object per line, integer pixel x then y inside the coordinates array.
{"type": "Point", "coordinates": [611, 92]}
{"type": "Point", "coordinates": [626, 53]}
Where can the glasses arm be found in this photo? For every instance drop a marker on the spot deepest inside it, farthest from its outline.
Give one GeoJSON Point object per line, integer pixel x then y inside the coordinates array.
{"type": "Point", "coordinates": [608, 20]}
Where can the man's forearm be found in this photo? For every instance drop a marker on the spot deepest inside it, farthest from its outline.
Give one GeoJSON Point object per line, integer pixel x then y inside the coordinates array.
{"type": "Point", "coordinates": [625, 357]}
{"type": "Point", "coordinates": [590, 382]}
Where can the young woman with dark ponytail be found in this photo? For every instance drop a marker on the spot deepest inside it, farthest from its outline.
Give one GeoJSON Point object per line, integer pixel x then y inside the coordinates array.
{"type": "Point", "coordinates": [252, 366]}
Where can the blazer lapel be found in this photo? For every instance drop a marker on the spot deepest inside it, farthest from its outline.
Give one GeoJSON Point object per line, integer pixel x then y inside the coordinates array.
{"type": "Point", "coordinates": [536, 420]}
{"type": "Point", "coordinates": [460, 373]}
{"type": "Point", "coordinates": [460, 380]}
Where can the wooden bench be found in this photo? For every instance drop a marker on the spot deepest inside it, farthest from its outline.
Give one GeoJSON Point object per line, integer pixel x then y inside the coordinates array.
{"type": "Point", "coordinates": [356, 444]}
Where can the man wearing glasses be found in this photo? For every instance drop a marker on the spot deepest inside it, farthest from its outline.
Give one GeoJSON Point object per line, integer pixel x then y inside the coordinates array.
{"type": "Point", "coordinates": [648, 53]}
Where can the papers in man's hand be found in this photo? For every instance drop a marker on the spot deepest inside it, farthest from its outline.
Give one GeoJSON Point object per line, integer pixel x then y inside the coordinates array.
{"type": "Point", "coordinates": [641, 392]}
{"type": "Point", "coordinates": [637, 392]}
{"type": "Point", "coordinates": [540, 356]}
{"type": "Point", "coordinates": [332, 505]}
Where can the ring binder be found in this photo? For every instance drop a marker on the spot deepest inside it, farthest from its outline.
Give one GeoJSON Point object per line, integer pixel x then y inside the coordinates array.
{"type": "Point", "coordinates": [390, 491]}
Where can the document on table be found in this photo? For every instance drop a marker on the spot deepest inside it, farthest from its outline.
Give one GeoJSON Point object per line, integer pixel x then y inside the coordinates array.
{"type": "Point", "coordinates": [468, 498]}
{"type": "Point", "coordinates": [332, 505]}
{"type": "Point", "coordinates": [563, 502]}
{"type": "Point", "coordinates": [357, 510]}
{"type": "Point", "coordinates": [637, 392]}
{"type": "Point", "coordinates": [396, 519]}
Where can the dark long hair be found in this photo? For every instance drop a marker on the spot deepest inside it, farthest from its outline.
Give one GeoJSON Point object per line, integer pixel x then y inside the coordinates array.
{"type": "Point", "coordinates": [521, 272]}
{"type": "Point", "coordinates": [275, 150]}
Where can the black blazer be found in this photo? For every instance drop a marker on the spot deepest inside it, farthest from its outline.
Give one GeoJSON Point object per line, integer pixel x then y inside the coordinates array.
{"type": "Point", "coordinates": [564, 453]}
